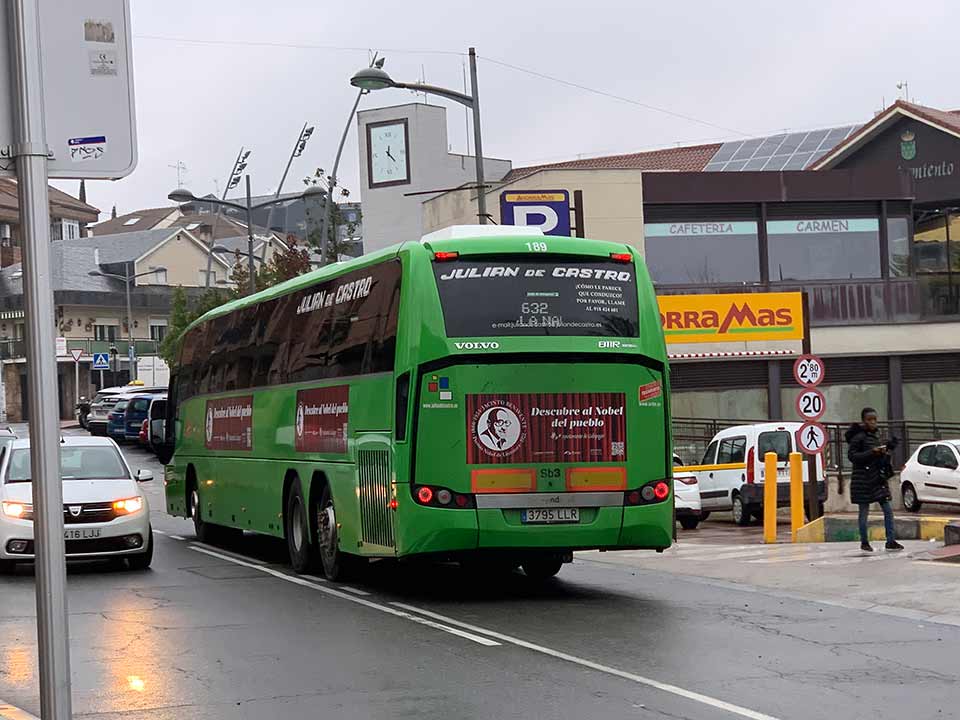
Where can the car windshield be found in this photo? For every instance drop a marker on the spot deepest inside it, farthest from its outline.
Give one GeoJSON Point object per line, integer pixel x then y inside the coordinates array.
{"type": "Point", "coordinates": [776, 442]}
{"type": "Point", "coordinates": [78, 462]}
{"type": "Point", "coordinates": [121, 405]}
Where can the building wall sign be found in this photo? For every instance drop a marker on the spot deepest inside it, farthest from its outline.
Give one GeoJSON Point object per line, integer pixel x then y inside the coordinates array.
{"type": "Point", "coordinates": [548, 210]}
{"type": "Point", "coordinates": [746, 317]}
{"type": "Point", "coordinates": [931, 156]}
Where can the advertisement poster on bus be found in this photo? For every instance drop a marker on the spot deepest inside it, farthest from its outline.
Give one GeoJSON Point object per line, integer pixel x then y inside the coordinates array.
{"type": "Point", "coordinates": [321, 422]}
{"type": "Point", "coordinates": [229, 423]}
{"type": "Point", "coordinates": [546, 427]}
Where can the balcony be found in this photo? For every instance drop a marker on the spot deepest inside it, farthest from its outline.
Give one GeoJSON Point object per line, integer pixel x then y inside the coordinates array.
{"type": "Point", "coordinates": [16, 349]}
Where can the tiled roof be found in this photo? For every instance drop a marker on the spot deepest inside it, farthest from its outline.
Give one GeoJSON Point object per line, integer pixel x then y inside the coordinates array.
{"type": "Point", "coordinates": [61, 204]}
{"type": "Point", "coordinates": [140, 220]}
{"type": "Point", "coordinates": [692, 158]}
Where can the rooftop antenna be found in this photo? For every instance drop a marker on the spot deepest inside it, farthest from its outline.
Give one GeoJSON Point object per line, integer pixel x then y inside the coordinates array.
{"type": "Point", "coordinates": [905, 86]}
{"type": "Point", "coordinates": [181, 171]}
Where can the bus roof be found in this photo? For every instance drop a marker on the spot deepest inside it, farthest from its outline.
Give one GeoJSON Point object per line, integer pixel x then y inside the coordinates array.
{"type": "Point", "coordinates": [468, 239]}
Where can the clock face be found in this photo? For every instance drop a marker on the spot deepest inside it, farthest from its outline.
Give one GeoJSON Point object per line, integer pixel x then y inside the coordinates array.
{"type": "Point", "coordinates": [387, 153]}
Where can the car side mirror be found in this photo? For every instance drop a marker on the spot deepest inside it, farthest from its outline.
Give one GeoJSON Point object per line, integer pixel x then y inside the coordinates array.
{"type": "Point", "coordinates": [143, 475]}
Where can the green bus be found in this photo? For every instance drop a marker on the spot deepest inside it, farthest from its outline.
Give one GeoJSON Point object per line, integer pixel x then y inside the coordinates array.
{"type": "Point", "coordinates": [485, 395]}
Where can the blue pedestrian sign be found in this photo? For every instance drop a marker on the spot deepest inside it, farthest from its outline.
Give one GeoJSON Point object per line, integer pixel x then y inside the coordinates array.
{"type": "Point", "coordinates": [101, 361]}
{"type": "Point", "coordinates": [548, 210]}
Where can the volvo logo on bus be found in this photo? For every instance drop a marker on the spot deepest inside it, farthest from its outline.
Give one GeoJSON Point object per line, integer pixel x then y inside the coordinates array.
{"type": "Point", "coordinates": [477, 345]}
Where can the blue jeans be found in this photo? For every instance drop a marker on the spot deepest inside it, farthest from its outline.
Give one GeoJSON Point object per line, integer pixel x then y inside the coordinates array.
{"type": "Point", "coordinates": [887, 521]}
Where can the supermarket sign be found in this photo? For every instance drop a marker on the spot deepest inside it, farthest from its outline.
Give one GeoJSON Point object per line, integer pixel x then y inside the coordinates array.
{"type": "Point", "coordinates": [744, 317]}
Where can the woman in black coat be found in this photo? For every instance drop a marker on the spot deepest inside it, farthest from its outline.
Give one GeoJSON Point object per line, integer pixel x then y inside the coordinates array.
{"type": "Point", "coordinates": [868, 482]}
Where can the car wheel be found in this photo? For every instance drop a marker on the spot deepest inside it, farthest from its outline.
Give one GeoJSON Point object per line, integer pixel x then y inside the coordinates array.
{"type": "Point", "coordinates": [689, 523]}
{"type": "Point", "coordinates": [143, 560]}
{"type": "Point", "coordinates": [741, 512]}
{"type": "Point", "coordinates": [910, 500]}
{"type": "Point", "coordinates": [303, 551]}
{"type": "Point", "coordinates": [704, 515]}
{"type": "Point", "coordinates": [542, 568]}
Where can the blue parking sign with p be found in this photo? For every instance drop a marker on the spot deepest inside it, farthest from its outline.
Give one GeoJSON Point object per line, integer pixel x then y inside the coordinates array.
{"type": "Point", "coordinates": [101, 361]}
{"type": "Point", "coordinates": [548, 210]}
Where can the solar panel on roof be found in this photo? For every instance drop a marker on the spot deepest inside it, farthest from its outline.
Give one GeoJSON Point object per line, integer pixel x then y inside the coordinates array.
{"type": "Point", "coordinates": [784, 151]}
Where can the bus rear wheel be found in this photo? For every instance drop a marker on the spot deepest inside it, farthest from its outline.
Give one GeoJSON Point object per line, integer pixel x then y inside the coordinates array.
{"type": "Point", "coordinates": [543, 567]}
{"type": "Point", "coordinates": [334, 562]}
{"type": "Point", "coordinates": [303, 552]}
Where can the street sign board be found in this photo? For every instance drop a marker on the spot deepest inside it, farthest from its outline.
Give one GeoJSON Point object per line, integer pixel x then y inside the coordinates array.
{"type": "Point", "coordinates": [812, 438]}
{"type": "Point", "coordinates": [548, 210]}
{"type": "Point", "coordinates": [131, 355]}
{"type": "Point", "coordinates": [87, 90]}
{"type": "Point", "coordinates": [61, 346]}
{"type": "Point", "coordinates": [808, 370]}
{"type": "Point", "coordinates": [101, 361]}
{"type": "Point", "coordinates": [731, 317]}
{"type": "Point", "coordinates": [811, 405]}
{"type": "Point", "coordinates": [76, 354]}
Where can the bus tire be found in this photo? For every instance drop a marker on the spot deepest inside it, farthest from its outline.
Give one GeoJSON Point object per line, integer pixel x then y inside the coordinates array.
{"type": "Point", "coordinates": [334, 562]}
{"type": "Point", "coordinates": [204, 531]}
{"type": "Point", "coordinates": [741, 511]}
{"type": "Point", "coordinates": [542, 568]}
{"type": "Point", "coordinates": [303, 551]}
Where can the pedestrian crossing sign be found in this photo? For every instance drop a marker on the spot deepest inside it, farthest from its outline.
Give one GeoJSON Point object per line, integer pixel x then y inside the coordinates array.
{"type": "Point", "coordinates": [101, 361]}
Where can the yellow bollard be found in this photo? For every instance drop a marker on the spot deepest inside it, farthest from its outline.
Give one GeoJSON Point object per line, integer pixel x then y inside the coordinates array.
{"type": "Point", "coordinates": [770, 497]}
{"type": "Point", "coordinates": [796, 494]}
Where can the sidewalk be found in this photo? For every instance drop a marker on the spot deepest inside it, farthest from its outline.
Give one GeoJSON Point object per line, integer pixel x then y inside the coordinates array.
{"type": "Point", "coordinates": [904, 584]}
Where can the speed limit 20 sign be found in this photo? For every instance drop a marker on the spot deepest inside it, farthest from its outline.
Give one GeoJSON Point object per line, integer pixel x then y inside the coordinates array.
{"type": "Point", "coordinates": [808, 371]}
{"type": "Point", "coordinates": [811, 405]}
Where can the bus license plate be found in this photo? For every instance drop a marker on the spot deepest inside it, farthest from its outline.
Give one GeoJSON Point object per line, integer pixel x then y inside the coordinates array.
{"type": "Point", "coordinates": [550, 515]}
{"type": "Point", "coordinates": [86, 534]}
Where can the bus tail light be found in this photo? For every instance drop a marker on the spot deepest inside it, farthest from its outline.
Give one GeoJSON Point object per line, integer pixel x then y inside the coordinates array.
{"type": "Point", "coordinates": [653, 492]}
{"type": "Point", "coordinates": [445, 255]}
{"type": "Point", "coordinates": [621, 257]}
{"type": "Point", "coordinates": [751, 471]}
{"type": "Point", "coordinates": [433, 496]}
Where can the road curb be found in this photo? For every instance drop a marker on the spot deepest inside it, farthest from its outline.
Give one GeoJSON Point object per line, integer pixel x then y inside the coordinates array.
{"type": "Point", "coordinates": [846, 529]}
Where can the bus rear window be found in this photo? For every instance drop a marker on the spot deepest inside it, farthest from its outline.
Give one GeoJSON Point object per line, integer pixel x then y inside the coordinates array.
{"type": "Point", "coordinates": [506, 297]}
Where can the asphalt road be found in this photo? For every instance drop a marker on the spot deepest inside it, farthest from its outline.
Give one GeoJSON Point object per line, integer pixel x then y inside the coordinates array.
{"type": "Point", "coordinates": [232, 633]}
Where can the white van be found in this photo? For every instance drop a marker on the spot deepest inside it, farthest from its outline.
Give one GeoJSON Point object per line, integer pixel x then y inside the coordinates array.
{"type": "Point", "coordinates": [731, 473]}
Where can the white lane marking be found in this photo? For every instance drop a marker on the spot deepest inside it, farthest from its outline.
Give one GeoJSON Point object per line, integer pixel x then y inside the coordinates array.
{"type": "Point", "coordinates": [479, 639]}
{"type": "Point", "coordinates": [10, 712]}
{"type": "Point", "coordinates": [176, 537]}
{"type": "Point", "coordinates": [238, 556]}
{"type": "Point", "coordinates": [665, 687]}
{"type": "Point", "coordinates": [314, 578]}
{"type": "Point", "coordinates": [355, 591]}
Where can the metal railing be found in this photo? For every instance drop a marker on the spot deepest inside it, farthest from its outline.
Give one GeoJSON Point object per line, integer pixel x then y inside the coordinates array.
{"type": "Point", "coordinates": [691, 436]}
{"type": "Point", "coordinates": [16, 349]}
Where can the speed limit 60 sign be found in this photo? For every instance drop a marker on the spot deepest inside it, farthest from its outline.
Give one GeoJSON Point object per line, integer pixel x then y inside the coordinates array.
{"type": "Point", "coordinates": [811, 405]}
{"type": "Point", "coordinates": [808, 370]}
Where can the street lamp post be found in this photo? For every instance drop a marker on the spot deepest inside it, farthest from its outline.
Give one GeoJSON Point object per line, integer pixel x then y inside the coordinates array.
{"type": "Point", "coordinates": [126, 278]}
{"type": "Point", "coordinates": [182, 195]}
{"type": "Point", "coordinates": [376, 78]}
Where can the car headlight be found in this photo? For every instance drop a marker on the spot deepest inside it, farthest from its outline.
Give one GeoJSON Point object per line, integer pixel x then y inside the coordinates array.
{"type": "Point", "coordinates": [21, 511]}
{"type": "Point", "coordinates": [128, 506]}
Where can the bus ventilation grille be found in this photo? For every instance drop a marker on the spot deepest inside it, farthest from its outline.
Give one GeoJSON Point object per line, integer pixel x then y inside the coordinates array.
{"type": "Point", "coordinates": [375, 513]}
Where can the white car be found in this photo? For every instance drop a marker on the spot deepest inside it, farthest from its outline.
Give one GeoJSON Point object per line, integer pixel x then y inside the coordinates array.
{"type": "Point", "coordinates": [932, 474]}
{"type": "Point", "coordinates": [686, 496]}
{"type": "Point", "coordinates": [105, 513]}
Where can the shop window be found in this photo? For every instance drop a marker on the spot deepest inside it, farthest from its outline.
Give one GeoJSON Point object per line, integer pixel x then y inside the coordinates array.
{"type": "Point", "coordinates": [930, 245]}
{"type": "Point", "coordinates": [933, 402]}
{"type": "Point", "coordinates": [702, 253]}
{"type": "Point", "coordinates": [824, 249]}
{"type": "Point", "coordinates": [898, 246]}
{"type": "Point", "coordinates": [844, 402]}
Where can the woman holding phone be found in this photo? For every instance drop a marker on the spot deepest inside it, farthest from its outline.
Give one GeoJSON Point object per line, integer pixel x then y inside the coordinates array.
{"type": "Point", "coordinates": [868, 483]}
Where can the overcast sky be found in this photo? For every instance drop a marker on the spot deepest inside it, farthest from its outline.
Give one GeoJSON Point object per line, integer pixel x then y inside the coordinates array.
{"type": "Point", "coordinates": [215, 75]}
